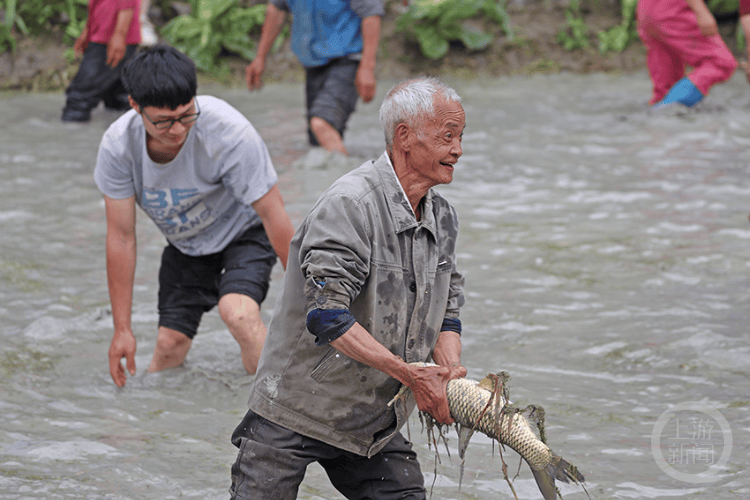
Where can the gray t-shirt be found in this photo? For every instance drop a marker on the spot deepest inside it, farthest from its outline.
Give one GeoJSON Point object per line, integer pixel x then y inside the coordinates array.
{"type": "Point", "coordinates": [202, 199]}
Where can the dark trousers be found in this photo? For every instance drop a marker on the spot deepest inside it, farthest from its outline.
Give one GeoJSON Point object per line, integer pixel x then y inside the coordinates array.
{"type": "Point", "coordinates": [331, 94]}
{"type": "Point", "coordinates": [272, 461]}
{"type": "Point", "coordinates": [96, 81]}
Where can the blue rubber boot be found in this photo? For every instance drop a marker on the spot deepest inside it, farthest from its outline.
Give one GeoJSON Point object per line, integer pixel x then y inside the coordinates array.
{"type": "Point", "coordinates": [684, 92]}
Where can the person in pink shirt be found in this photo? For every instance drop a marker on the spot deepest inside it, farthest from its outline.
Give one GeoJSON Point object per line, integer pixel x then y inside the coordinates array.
{"type": "Point", "coordinates": [680, 33]}
{"type": "Point", "coordinates": [109, 40]}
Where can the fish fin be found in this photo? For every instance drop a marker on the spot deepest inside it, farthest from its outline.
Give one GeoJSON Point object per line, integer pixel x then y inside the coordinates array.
{"type": "Point", "coordinates": [546, 483]}
{"type": "Point", "coordinates": [488, 382]}
{"type": "Point", "coordinates": [564, 471]}
{"type": "Point", "coordinates": [558, 469]}
{"type": "Point", "coordinates": [464, 435]}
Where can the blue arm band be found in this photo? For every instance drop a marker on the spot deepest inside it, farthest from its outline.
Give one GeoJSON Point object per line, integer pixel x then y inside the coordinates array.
{"type": "Point", "coordinates": [451, 325]}
{"type": "Point", "coordinates": [329, 324]}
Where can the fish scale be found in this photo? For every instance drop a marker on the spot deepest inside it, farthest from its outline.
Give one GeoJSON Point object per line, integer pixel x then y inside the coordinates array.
{"type": "Point", "coordinates": [467, 400]}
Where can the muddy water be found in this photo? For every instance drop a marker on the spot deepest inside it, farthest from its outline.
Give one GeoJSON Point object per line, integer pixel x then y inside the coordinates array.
{"type": "Point", "coordinates": [606, 254]}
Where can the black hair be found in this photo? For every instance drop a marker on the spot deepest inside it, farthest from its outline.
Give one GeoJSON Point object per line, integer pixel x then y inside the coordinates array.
{"type": "Point", "coordinates": [162, 77]}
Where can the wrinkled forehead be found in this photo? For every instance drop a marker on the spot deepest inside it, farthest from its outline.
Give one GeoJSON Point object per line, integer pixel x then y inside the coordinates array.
{"type": "Point", "coordinates": [445, 114]}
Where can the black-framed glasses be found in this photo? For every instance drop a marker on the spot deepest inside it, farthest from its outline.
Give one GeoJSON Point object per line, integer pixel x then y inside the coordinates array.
{"type": "Point", "coordinates": [166, 124]}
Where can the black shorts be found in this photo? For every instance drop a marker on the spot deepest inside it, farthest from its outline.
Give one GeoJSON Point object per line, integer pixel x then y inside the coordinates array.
{"type": "Point", "coordinates": [331, 93]}
{"type": "Point", "coordinates": [272, 461]}
{"type": "Point", "coordinates": [190, 286]}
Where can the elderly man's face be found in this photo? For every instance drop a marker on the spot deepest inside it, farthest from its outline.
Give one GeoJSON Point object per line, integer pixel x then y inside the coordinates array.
{"type": "Point", "coordinates": [437, 145]}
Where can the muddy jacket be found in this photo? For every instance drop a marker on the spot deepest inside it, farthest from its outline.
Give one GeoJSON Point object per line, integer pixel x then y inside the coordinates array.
{"type": "Point", "coordinates": [360, 248]}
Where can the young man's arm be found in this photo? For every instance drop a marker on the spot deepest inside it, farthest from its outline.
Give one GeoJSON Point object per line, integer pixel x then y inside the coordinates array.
{"type": "Point", "coordinates": [79, 47]}
{"type": "Point", "coordinates": [272, 25]}
{"type": "Point", "coordinates": [706, 20]}
{"type": "Point", "coordinates": [121, 258]}
{"type": "Point", "coordinates": [365, 79]}
{"type": "Point", "coordinates": [276, 222]}
{"type": "Point", "coordinates": [116, 45]}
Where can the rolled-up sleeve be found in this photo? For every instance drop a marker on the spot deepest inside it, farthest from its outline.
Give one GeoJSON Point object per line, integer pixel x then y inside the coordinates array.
{"type": "Point", "coordinates": [367, 8]}
{"type": "Point", "coordinates": [335, 253]}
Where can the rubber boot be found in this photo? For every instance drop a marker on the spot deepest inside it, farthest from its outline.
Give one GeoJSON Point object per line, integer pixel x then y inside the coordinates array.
{"type": "Point", "coordinates": [685, 92]}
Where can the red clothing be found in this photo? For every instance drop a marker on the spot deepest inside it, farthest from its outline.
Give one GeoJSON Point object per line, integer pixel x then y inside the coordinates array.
{"type": "Point", "coordinates": [669, 30]}
{"type": "Point", "coordinates": [744, 7]}
{"type": "Point", "coordinates": [103, 18]}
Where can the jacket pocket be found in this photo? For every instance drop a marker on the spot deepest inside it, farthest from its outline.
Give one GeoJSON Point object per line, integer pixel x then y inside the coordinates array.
{"type": "Point", "coordinates": [332, 360]}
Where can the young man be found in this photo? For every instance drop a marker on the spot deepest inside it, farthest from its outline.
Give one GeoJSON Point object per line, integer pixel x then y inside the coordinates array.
{"type": "Point", "coordinates": [202, 173]}
{"type": "Point", "coordinates": [337, 43]}
{"type": "Point", "coordinates": [108, 41]}
{"type": "Point", "coordinates": [371, 286]}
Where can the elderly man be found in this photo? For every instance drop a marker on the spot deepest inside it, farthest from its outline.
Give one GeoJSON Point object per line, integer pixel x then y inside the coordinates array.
{"type": "Point", "coordinates": [371, 286]}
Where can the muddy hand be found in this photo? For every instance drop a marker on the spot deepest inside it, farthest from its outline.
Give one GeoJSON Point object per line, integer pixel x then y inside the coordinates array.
{"type": "Point", "coordinates": [429, 388]}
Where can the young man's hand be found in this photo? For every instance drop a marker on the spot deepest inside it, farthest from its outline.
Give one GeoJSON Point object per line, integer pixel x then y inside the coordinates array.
{"type": "Point", "coordinates": [79, 47]}
{"type": "Point", "coordinates": [707, 23]}
{"type": "Point", "coordinates": [122, 346]}
{"type": "Point", "coordinates": [115, 50]}
{"type": "Point", "coordinates": [254, 72]}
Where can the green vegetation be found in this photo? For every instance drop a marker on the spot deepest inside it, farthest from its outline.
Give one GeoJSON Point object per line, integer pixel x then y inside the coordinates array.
{"type": "Point", "coordinates": [34, 17]}
{"type": "Point", "coordinates": [617, 38]}
{"type": "Point", "coordinates": [214, 26]}
{"type": "Point", "coordinates": [435, 23]}
{"type": "Point", "coordinates": [575, 33]}
{"type": "Point", "coordinates": [723, 6]}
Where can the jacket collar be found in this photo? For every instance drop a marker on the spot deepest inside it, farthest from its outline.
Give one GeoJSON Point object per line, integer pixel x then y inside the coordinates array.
{"type": "Point", "coordinates": [401, 212]}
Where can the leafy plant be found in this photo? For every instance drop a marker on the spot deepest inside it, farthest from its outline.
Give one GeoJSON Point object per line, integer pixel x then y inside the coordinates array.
{"type": "Point", "coordinates": [34, 17]}
{"type": "Point", "coordinates": [575, 33]}
{"type": "Point", "coordinates": [76, 10]}
{"type": "Point", "coordinates": [723, 6]}
{"type": "Point", "coordinates": [213, 26]}
{"type": "Point", "coordinates": [7, 40]}
{"type": "Point", "coordinates": [617, 38]}
{"type": "Point", "coordinates": [434, 23]}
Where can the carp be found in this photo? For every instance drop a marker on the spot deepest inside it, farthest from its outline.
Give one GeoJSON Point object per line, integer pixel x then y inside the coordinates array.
{"type": "Point", "coordinates": [484, 407]}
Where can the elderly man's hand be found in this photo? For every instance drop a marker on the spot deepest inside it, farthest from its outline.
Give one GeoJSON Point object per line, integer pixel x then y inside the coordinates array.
{"type": "Point", "coordinates": [429, 385]}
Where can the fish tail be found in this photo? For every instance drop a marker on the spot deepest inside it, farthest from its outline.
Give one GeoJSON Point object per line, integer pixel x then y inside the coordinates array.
{"type": "Point", "coordinates": [557, 469]}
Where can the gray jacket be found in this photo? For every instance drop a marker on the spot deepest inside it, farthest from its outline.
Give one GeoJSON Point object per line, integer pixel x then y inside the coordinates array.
{"type": "Point", "coordinates": [398, 278]}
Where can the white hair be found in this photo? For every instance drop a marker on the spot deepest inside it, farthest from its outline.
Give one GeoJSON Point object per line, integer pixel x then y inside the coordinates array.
{"type": "Point", "coordinates": [411, 100]}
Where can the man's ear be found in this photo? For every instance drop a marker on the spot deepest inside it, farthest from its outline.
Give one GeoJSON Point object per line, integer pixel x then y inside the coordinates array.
{"type": "Point", "coordinates": [402, 136]}
{"type": "Point", "coordinates": [134, 105]}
